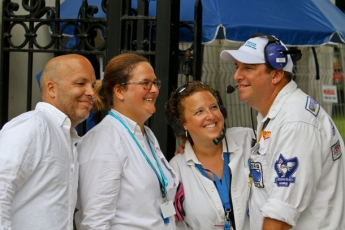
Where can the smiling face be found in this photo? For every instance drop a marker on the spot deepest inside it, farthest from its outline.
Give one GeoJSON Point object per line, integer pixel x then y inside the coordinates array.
{"type": "Point", "coordinates": [254, 85]}
{"type": "Point", "coordinates": [202, 117]}
{"type": "Point", "coordinates": [74, 89]}
{"type": "Point", "coordinates": [133, 100]}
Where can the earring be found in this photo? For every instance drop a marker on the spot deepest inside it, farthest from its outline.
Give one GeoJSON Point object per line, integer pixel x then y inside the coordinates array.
{"type": "Point", "coordinates": [186, 133]}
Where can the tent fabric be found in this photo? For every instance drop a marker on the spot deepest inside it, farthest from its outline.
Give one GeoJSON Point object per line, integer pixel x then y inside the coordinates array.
{"type": "Point", "coordinates": [296, 22]}
{"type": "Point", "coordinates": [307, 22]}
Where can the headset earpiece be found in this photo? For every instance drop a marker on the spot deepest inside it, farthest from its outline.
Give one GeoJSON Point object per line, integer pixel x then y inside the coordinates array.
{"type": "Point", "coordinates": [175, 124]}
{"type": "Point", "coordinates": [221, 105]}
{"type": "Point", "coordinates": [275, 56]}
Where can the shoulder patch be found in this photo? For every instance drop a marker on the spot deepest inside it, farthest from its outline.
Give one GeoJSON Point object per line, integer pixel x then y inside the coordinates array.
{"type": "Point", "coordinates": [285, 168]}
{"type": "Point", "coordinates": [312, 106]}
{"type": "Point", "coordinates": [336, 151]}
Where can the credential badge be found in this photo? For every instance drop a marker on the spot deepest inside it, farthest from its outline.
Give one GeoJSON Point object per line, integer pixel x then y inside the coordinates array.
{"type": "Point", "coordinates": [256, 170]}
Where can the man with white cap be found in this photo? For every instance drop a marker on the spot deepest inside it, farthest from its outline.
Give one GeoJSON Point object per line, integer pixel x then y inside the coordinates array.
{"type": "Point", "coordinates": [297, 167]}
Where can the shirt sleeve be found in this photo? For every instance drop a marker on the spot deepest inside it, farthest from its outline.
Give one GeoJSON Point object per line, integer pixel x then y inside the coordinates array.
{"type": "Point", "coordinates": [21, 143]}
{"type": "Point", "coordinates": [294, 161]}
{"type": "Point", "coordinates": [101, 166]}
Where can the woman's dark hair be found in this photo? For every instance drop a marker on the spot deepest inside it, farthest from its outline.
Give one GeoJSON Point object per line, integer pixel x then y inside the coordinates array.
{"type": "Point", "coordinates": [117, 71]}
{"type": "Point", "coordinates": [175, 105]}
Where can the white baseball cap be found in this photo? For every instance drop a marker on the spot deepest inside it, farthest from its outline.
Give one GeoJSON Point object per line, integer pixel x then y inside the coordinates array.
{"type": "Point", "coordinates": [252, 52]}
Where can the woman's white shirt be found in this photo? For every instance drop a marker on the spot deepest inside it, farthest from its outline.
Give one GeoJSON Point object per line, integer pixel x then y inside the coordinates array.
{"type": "Point", "coordinates": [118, 189]}
{"type": "Point", "coordinates": [202, 204]}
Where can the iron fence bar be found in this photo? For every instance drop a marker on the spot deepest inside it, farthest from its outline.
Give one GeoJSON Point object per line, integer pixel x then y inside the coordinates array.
{"type": "Point", "coordinates": [141, 26]}
{"type": "Point", "coordinates": [114, 28]}
{"type": "Point", "coordinates": [55, 19]}
{"type": "Point", "coordinates": [197, 54]}
{"type": "Point", "coordinates": [139, 17]}
{"type": "Point", "coordinates": [30, 35]}
{"type": "Point", "coordinates": [4, 74]}
{"type": "Point", "coordinates": [168, 17]}
{"type": "Point", "coordinates": [82, 52]}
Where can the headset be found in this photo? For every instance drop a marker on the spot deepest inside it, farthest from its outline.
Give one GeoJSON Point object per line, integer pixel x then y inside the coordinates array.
{"type": "Point", "coordinates": [276, 54]}
{"type": "Point", "coordinates": [174, 122]}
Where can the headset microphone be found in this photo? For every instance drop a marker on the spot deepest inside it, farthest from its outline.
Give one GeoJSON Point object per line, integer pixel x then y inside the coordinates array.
{"type": "Point", "coordinates": [219, 139]}
{"type": "Point", "coordinates": [231, 89]}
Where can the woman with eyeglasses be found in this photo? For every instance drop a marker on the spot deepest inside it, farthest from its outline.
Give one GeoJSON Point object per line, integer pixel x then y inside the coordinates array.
{"type": "Point", "coordinates": [125, 180]}
{"type": "Point", "coordinates": [213, 170]}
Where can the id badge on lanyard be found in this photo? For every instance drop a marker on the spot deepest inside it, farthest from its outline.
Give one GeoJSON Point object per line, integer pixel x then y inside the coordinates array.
{"type": "Point", "coordinates": [167, 208]}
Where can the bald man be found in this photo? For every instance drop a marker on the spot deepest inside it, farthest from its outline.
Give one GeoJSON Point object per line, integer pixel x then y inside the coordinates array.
{"type": "Point", "coordinates": [38, 157]}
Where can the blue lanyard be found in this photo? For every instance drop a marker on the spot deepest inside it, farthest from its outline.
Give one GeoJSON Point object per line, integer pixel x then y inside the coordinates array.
{"type": "Point", "coordinates": [223, 187]}
{"type": "Point", "coordinates": [163, 181]}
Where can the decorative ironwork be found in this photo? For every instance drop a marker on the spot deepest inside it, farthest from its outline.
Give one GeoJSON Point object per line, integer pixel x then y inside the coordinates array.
{"type": "Point", "coordinates": [85, 27]}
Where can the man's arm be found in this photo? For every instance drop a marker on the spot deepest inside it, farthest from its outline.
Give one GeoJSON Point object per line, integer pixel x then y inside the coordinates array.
{"type": "Point", "coordinates": [19, 155]}
{"type": "Point", "coordinates": [272, 224]}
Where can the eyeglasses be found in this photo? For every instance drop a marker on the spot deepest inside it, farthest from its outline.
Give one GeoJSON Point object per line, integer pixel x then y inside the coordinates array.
{"type": "Point", "coordinates": [146, 83]}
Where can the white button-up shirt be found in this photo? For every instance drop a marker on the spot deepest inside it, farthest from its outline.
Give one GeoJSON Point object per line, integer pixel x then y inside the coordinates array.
{"type": "Point", "coordinates": [118, 189]}
{"type": "Point", "coordinates": [203, 206]}
{"type": "Point", "coordinates": [38, 171]}
{"type": "Point", "coordinates": [298, 167]}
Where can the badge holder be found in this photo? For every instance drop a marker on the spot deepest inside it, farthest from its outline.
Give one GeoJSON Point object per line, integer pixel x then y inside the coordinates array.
{"type": "Point", "coordinates": [168, 210]}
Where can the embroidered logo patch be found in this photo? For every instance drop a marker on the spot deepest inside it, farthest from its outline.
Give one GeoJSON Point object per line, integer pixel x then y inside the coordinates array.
{"type": "Point", "coordinates": [266, 134]}
{"type": "Point", "coordinates": [256, 169]}
{"type": "Point", "coordinates": [312, 106]}
{"type": "Point", "coordinates": [285, 168]}
{"type": "Point", "coordinates": [336, 151]}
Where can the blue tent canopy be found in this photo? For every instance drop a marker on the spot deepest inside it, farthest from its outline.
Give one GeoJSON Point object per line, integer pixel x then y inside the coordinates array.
{"type": "Point", "coordinates": [296, 22]}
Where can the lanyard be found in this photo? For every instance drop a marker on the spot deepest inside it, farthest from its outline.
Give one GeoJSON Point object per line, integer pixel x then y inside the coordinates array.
{"type": "Point", "coordinates": [223, 187]}
{"type": "Point", "coordinates": [163, 181]}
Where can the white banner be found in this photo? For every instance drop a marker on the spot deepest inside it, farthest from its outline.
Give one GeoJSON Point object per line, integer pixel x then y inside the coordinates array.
{"type": "Point", "coordinates": [329, 93]}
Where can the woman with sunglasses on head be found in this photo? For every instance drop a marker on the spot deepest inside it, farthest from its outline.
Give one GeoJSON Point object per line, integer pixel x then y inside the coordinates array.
{"type": "Point", "coordinates": [213, 170]}
{"type": "Point", "coordinates": [125, 180]}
